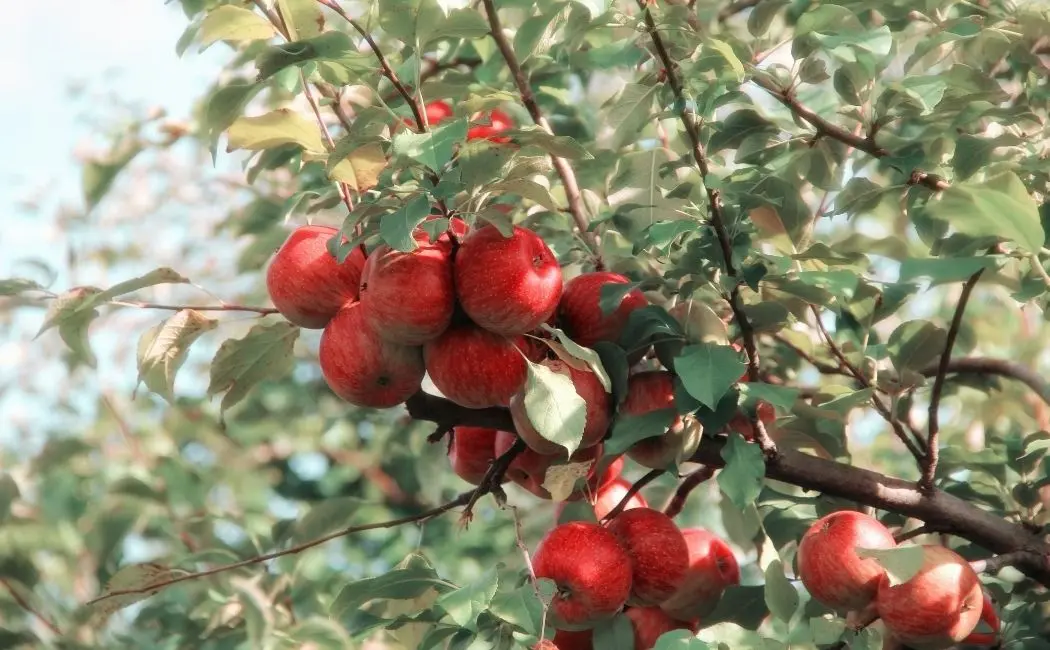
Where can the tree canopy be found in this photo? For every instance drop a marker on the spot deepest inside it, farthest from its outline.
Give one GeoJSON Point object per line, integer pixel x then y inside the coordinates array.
{"type": "Point", "coordinates": [833, 215]}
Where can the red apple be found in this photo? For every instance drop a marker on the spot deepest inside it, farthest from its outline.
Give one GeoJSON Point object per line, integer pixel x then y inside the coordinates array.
{"type": "Point", "coordinates": [305, 282]}
{"type": "Point", "coordinates": [712, 568]}
{"type": "Point", "coordinates": [457, 226]}
{"type": "Point", "coordinates": [476, 368]}
{"type": "Point", "coordinates": [651, 623]}
{"type": "Point", "coordinates": [438, 111]}
{"type": "Point", "coordinates": [658, 552]}
{"type": "Point", "coordinates": [498, 123]}
{"type": "Point", "coordinates": [409, 297]}
{"type": "Point", "coordinates": [591, 570]}
{"type": "Point", "coordinates": [650, 391]}
{"type": "Point", "coordinates": [529, 469]}
{"type": "Point", "coordinates": [569, 640]}
{"type": "Point", "coordinates": [472, 451]}
{"type": "Point", "coordinates": [938, 607]}
{"type": "Point", "coordinates": [741, 423]}
{"type": "Point", "coordinates": [610, 495]}
{"type": "Point", "coordinates": [364, 369]}
{"type": "Point", "coordinates": [991, 618]}
{"type": "Point", "coordinates": [507, 285]}
{"type": "Point", "coordinates": [828, 563]}
{"type": "Point", "coordinates": [580, 309]}
{"type": "Point", "coordinates": [596, 401]}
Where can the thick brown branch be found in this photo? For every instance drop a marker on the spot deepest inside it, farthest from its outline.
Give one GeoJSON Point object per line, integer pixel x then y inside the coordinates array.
{"type": "Point", "coordinates": [689, 122]}
{"type": "Point", "coordinates": [685, 488]}
{"type": "Point", "coordinates": [929, 470]}
{"type": "Point", "coordinates": [561, 165]}
{"type": "Point", "coordinates": [996, 564]}
{"type": "Point", "coordinates": [24, 604]}
{"type": "Point", "coordinates": [939, 510]}
{"type": "Point", "coordinates": [633, 490]}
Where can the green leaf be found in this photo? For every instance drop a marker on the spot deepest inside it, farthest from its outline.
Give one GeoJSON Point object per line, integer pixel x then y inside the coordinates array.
{"type": "Point", "coordinates": [727, 53]}
{"type": "Point", "coordinates": [744, 474]}
{"type": "Point", "coordinates": [133, 577]}
{"type": "Point", "coordinates": [465, 604]}
{"type": "Point", "coordinates": [162, 349]}
{"type": "Point", "coordinates": [870, 638]}
{"type": "Point", "coordinates": [941, 270]}
{"type": "Point", "coordinates": [587, 355]}
{"type": "Point", "coordinates": [433, 148]}
{"type": "Point", "coordinates": [396, 228]}
{"type": "Point", "coordinates": [8, 493]}
{"type": "Point", "coordinates": [630, 112]}
{"type": "Point", "coordinates": [18, 286]}
{"type": "Point", "coordinates": [737, 127]}
{"type": "Point", "coordinates": [556, 145]}
{"type": "Point", "coordinates": [527, 189]}
{"type": "Point", "coordinates": [98, 174]}
{"type": "Point", "coordinates": [680, 640]}
{"type": "Point", "coordinates": [743, 605]}
{"type": "Point", "coordinates": [901, 563]}
{"type": "Point", "coordinates": [616, 633]}
{"type": "Point", "coordinates": [274, 129]}
{"type": "Point", "coordinates": [594, 7]}
{"type": "Point", "coordinates": [554, 407]}
{"type": "Point", "coordinates": [226, 104]}
{"type": "Point", "coordinates": [264, 353]}
{"type": "Point", "coordinates": [629, 429]}
{"type": "Point", "coordinates": [333, 51]}
{"type": "Point", "coordinates": [781, 397]}
{"type": "Point", "coordinates": [916, 344]}
{"type": "Point", "coordinates": [781, 596]}
{"type": "Point", "coordinates": [826, 629]}
{"type": "Point", "coordinates": [406, 583]}
{"type": "Point", "coordinates": [708, 371]}
{"type": "Point", "coordinates": [232, 23]}
{"type": "Point", "coordinates": [521, 608]}
{"type": "Point", "coordinates": [329, 516]}
{"type": "Point", "coordinates": [257, 609]}
{"type": "Point", "coordinates": [359, 168]}
{"type": "Point", "coordinates": [998, 207]}
{"type": "Point", "coordinates": [303, 18]}
{"type": "Point", "coordinates": [460, 23]}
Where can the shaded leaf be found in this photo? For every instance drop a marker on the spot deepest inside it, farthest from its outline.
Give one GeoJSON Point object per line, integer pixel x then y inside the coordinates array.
{"type": "Point", "coordinates": [744, 474]}
{"type": "Point", "coordinates": [781, 596]}
{"type": "Point", "coordinates": [916, 344]}
{"type": "Point", "coordinates": [8, 493]}
{"type": "Point", "coordinates": [998, 207]}
{"type": "Point", "coordinates": [264, 353]}
{"type": "Point", "coordinates": [708, 371]}
{"type": "Point", "coordinates": [629, 429]}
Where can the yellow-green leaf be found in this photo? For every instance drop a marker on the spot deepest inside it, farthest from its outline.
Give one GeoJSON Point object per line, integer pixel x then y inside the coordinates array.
{"type": "Point", "coordinates": [280, 127]}
{"type": "Point", "coordinates": [162, 349]}
{"type": "Point", "coordinates": [302, 17]}
{"type": "Point", "coordinates": [360, 169]}
{"type": "Point", "coordinates": [232, 23]}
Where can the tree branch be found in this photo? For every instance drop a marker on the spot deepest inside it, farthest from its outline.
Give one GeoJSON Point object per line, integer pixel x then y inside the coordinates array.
{"type": "Point", "coordinates": [685, 488]}
{"type": "Point", "coordinates": [633, 490]}
{"type": "Point", "coordinates": [929, 469]}
{"type": "Point", "coordinates": [1000, 367]}
{"type": "Point", "coordinates": [938, 509]}
{"type": "Point", "coordinates": [561, 165]}
{"type": "Point", "coordinates": [865, 143]}
{"type": "Point", "coordinates": [493, 479]}
{"type": "Point", "coordinates": [689, 122]}
{"type": "Point", "coordinates": [264, 311]}
{"type": "Point", "coordinates": [24, 604]}
{"type": "Point", "coordinates": [996, 564]}
{"type": "Point", "coordinates": [911, 443]}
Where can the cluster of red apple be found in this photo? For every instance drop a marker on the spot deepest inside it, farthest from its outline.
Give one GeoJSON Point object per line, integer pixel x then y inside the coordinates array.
{"type": "Point", "coordinates": [662, 578]}
{"type": "Point", "coordinates": [497, 122]}
{"type": "Point", "coordinates": [938, 607]}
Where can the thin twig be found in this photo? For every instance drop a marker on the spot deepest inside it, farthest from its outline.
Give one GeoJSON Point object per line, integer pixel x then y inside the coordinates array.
{"type": "Point", "coordinates": [904, 536]}
{"type": "Point", "coordinates": [824, 368]}
{"type": "Point", "coordinates": [999, 367]}
{"type": "Point", "coordinates": [461, 500]}
{"type": "Point", "coordinates": [911, 443]}
{"type": "Point", "coordinates": [689, 121]}
{"type": "Point", "coordinates": [932, 450]}
{"type": "Point", "coordinates": [689, 483]}
{"type": "Point", "coordinates": [344, 189]}
{"type": "Point", "coordinates": [493, 478]}
{"type": "Point", "coordinates": [561, 165]}
{"type": "Point", "coordinates": [24, 604]}
{"type": "Point", "coordinates": [865, 143]}
{"type": "Point", "coordinates": [996, 564]}
{"type": "Point", "coordinates": [634, 489]}
{"type": "Point", "coordinates": [139, 304]}
{"type": "Point", "coordinates": [519, 536]}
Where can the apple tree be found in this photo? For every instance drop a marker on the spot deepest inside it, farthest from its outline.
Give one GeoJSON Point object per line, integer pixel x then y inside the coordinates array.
{"type": "Point", "coordinates": [558, 324]}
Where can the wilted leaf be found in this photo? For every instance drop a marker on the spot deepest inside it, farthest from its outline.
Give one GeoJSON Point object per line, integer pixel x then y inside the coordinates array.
{"type": "Point", "coordinates": [138, 579]}
{"type": "Point", "coordinates": [264, 353]}
{"type": "Point", "coordinates": [554, 408]}
{"type": "Point", "coordinates": [560, 480]}
{"type": "Point", "coordinates": [162, 349]}
{"type": "Point", "coordinates": [302, 17]}
{"type": "Point", "coordinates": [359, 168]}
